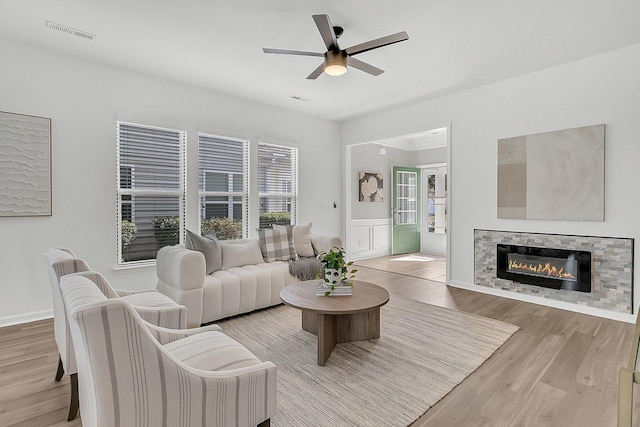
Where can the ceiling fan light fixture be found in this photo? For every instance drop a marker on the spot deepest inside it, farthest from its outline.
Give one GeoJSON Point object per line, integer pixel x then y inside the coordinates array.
{"type": "Point", "coordinates": [335, 70]}
{"type": "Point", "coordinates": [335, 58]}
{"type": "Point", "coordinates": [335, 63]}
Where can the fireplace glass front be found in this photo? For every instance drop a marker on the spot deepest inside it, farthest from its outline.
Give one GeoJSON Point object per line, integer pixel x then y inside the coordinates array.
{"type": "Point", "coordinates": [547, 267]}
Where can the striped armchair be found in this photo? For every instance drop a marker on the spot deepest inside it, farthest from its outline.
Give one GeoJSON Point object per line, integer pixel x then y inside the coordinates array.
{"type": "Point", "coordinates": [135, 374]}
{"type": "Point", "coordinates": [153, 306]}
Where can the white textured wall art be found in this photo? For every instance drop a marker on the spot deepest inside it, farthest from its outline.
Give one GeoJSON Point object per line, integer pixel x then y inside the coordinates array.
{"type": "Point", "coordinates": [553, 175]}
{"type": "Point", "coordinates": [25, 165]}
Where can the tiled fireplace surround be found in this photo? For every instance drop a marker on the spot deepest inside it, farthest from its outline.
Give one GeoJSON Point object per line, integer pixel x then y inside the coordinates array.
{"type": "Point", "coordinates": [612, 267]}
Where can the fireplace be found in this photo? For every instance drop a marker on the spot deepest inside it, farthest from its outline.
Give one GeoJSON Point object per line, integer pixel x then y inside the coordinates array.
{"type": "Point", "coordinates": [546, 267]}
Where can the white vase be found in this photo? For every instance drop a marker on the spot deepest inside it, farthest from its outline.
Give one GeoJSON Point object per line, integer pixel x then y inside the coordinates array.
{"type": "Point", "coordinates": [332, 275]}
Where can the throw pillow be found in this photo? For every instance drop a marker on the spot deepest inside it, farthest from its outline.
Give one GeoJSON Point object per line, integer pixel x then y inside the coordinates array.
{"type": "Point", "coordinates": [209, 245]}
{"type": "Point", "coordinates": [277, 245]}
{"type": "Point", "coordinates": [240, 252]}
{"type": "Point", "coordinates": [301, 239]}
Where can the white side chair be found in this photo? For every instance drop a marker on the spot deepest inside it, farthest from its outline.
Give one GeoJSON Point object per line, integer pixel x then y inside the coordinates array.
{"type": "Point", "coordinates": [66, 357]}
{"type": "Point", "coordinates": [153, 306]}
{"type": "Point", "coordinates": [136, 374]}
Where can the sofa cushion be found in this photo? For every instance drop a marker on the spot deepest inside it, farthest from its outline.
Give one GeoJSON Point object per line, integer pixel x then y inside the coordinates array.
{"type": "Point", "coordinates": [212, 351]}
{"type": "Point", "coordinates": [325, 243]}
{"type": "Point", "coordinates": [277, 244]}
{"type": "Point", "coordinates": [236, 253]}
{"type": "Point", "coordinates": [301, 239]}
{"type": "Point", "coordinates": [209, 245]}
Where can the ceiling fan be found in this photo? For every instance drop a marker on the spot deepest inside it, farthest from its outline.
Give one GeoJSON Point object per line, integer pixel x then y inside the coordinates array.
{"type": "Point", "coordinates": [336, 59]}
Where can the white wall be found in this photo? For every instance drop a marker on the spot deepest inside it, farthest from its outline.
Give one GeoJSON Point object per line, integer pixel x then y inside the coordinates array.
{"type": "Point", "coordinates": [365, 158]}
{"type": "Point", "coordinates": [84, 99]}
{"type": "Point", "coordinates": [600, 89]}
{"type": "Point", "coordinates": [430, 156]}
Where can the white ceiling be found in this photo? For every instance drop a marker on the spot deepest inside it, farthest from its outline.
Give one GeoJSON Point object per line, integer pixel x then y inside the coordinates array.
{"type": "Point", "coordinates": [453, 44]}
{"type": "Point", "coordinates": [433, 138]}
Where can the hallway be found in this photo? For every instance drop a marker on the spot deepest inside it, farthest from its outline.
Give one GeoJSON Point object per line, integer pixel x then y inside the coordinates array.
{"type": "Point", "coordinates": [419, 264]}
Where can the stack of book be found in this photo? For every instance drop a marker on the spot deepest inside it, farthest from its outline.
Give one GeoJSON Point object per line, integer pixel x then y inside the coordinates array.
{"type": "Point", "coordinates": [338, 290]}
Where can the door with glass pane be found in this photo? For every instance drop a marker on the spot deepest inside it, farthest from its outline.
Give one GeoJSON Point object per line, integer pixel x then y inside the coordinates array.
{"type": "Point", "coordinates": [434, 212]}
{"type": "Point", "coordinates": [406, 210]}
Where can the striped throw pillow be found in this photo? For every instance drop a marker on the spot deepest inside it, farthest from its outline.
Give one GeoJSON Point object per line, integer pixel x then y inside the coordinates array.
{"type": "Point", "coordinates": [277, 245]}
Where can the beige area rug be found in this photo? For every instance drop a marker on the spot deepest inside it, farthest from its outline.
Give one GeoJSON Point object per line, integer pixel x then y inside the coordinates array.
{"type": "Point", "coordinates": [424, 351]}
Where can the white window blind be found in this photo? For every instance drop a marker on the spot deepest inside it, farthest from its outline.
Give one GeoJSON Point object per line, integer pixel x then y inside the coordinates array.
{"type": "Point", "coordinates": [151, 186]}
{"type": "Point", "coordinates": [224, 186]}
{"type": "Point", "coordinates": [278, 184]}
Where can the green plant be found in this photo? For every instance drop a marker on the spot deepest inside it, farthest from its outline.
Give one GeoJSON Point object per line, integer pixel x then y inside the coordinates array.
{"type": "Point", "coordinates": [128, 232]}
{"type": "Point", "coordinates": [224, 228]}
{"type": "Point", "coordinates": [336, 268]}
{"type": "Point", "coordinates": [267, 219]}
{"type": "Point", "coordinates": [166, 230]}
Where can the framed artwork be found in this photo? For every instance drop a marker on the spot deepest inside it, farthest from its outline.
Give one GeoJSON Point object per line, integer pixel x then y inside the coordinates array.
{"type": "Point", "coordinates": [555, 175]}
{"type": "Point", "coordinates": [25, 161]}
{"type": "Point", "coordinates": [370, 187]}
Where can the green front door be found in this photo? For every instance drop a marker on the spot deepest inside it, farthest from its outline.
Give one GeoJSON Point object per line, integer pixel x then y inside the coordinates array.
{"type": "Point", "coordinates": [406, 210]}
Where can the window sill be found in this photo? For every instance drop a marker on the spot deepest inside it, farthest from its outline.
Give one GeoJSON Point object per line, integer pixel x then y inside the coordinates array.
{"type": "Point", "coordinates": [135, 265]}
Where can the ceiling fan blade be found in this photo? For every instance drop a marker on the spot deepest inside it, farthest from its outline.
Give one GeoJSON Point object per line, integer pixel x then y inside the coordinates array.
{"type": "Point", "coordinates": [363, 66]}
{"type": "Point", "coordinates": [376, 43]}
{"type": "Point", "coordinates": [291, 52]}
{"type": "Point", "coordinates": [316, 73]}
{"type": "Point", "coordinates": [326, 31]}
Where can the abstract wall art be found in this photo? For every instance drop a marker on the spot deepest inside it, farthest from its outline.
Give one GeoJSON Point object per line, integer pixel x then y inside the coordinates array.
{"type": "Point", "coordinates": [370, 187]}
{"type": "Point", "coordinates": [555, 175]}
{"type": "Point", "coordinates": [25, 162]}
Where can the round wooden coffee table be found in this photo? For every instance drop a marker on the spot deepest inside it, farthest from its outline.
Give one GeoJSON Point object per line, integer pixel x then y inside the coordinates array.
{"type": "Point", "coordinates": [337, 319]}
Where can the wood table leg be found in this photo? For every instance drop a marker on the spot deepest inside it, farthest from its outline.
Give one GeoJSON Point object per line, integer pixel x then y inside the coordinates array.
{"type": "Point", "coordinates": [310, 321]}
{"type": "Point", "coordinates": [327, 337]}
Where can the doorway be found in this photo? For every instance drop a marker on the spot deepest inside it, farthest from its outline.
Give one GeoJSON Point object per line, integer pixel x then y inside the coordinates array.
{"type": "Point", "coordinates": [369, 227]}
{"type": "Point", "coordinates": [434, 208]}
{"type": "Point", "coordinates": [405, 211]}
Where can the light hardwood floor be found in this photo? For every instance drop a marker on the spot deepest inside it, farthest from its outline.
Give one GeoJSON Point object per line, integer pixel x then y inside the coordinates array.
{"type": "Point", "coordinates": [560, 368]}
{"type": "Point", "coordinates": [420, 265]}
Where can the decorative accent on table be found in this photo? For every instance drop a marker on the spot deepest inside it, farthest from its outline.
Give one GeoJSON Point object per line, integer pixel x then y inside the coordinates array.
{"type": "Point", "coordinates": [25, 161]}
{"type": "Point", "coordinates": [370, 187]}
{"type": "Point", "coordinates": [336, 275]}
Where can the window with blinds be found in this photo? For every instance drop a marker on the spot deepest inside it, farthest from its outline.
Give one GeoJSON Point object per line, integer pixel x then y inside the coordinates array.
{"type": "Point", "coordinates": [223, 167]}
{"type": "Point", "coordinates": [278, 184]}
{"type": "Point", "coordinates": [150, 182]}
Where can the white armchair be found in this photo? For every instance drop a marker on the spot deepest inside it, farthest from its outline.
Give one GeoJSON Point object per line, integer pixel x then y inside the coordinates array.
{"type": "Point", "coordinates": [66, 358]}
{"type": "Point", "coordinates": [135, 374]}
{"type": "Point", "coordinates": [152, 305]}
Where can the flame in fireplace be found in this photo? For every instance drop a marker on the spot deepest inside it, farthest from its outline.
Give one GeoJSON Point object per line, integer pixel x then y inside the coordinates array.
{"type": "Point", "coordinates": [540, 269]}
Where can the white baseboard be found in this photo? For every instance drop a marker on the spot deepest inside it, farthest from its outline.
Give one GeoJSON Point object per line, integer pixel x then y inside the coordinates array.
{"type": "Point", "coordinates": [622, 317]}
{"type": "Point", "coordinates": [25, 318]}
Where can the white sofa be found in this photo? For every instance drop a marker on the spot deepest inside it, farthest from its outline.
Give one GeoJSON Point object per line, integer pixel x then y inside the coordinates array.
{"type": "Point", "coordinates": [243, 283]}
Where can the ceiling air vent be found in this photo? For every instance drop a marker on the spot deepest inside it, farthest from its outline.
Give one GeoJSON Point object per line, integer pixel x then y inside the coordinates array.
{"type": "Point", "coordinates": [300, 98]}
{"type": "Point", "coordinates": [69, 30]}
